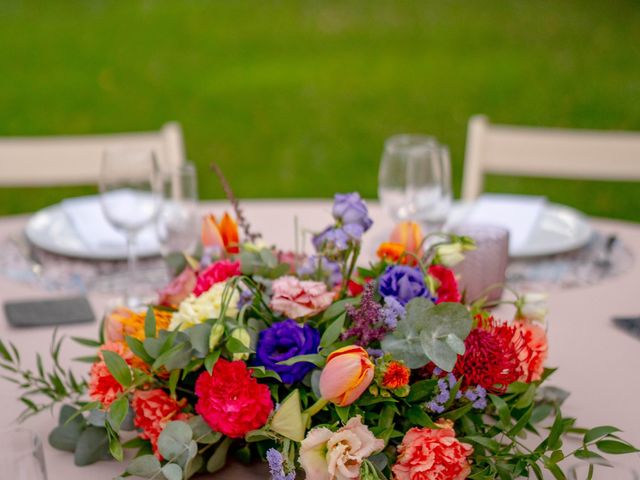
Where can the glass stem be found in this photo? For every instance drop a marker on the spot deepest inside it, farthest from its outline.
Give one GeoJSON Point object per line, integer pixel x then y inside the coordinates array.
{"type": "Point", "coordinates": [132, 262]}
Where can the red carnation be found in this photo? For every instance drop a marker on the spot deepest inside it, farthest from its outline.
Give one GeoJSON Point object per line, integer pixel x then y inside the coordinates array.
{"type": "Point", "coordinates": [231, 401]}
{"type": "Point", "coordinates": [491, 357]}
{"type": "Point", "coordinates": [153, 410]}
{"type": "Point", "coordinates": [448, 285]}
{"type": "Point", "coordinates": [215, 273]}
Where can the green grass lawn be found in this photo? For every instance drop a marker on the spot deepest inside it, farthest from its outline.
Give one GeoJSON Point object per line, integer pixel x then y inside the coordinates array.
{"type": "Point", "coordinates": [295, 99]}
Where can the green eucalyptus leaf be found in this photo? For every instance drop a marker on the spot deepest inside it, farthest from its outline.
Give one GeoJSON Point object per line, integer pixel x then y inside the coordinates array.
{"type": "Point", "coordinates": [219, 457]}
{"type": "Point", "coordinates": [145, 466]}
{"type": "Point", "coordinates": [66, 435]}
{"type": "Point", "coordinates": [175, 439]}
{"type": "Point", "coordinates": [172, 471]}
{"type": "Point", "coordinates": [199, 338]}
{"type": "Point", "coordinates": [93, 445]}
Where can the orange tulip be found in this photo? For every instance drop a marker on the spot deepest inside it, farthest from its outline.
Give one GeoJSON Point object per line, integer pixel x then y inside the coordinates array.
{"type": "Point", "coordinates": [346, 376]}
{"type": "Point", "coordinates": [405, 237]}
{"type": "Point", "coordinates": [223, 235]}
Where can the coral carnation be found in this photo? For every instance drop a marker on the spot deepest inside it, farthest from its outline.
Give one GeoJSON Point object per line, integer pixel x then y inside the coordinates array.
{"type": "Point", "coordinates": [215, 273]}
{"type": "Point", "coordinates": [432, 454]}
{"type": "Point", "coordinates": [102, 386]}
{"type": "Point", "coordinates": [231, 401]}
{"type": "Point", "coordinates": [153, 410]}
{"type": "Point", "coordinates": [448, 285]}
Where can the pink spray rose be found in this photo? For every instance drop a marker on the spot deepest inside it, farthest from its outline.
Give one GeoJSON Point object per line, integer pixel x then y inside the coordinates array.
{"type": "Point", "coordinates": [295, 298]}
{"type": "Point", "coordinates": [327, 455]}
{"type": "Point", "coordinates": [215, 273]}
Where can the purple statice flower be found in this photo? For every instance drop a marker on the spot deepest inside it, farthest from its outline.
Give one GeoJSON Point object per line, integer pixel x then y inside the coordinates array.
{"type": "Point", "coordinates": [276, 466]}
{"type": "Point", "coordinates": [478, 396]}
{"type": "Point", "coordinates": [367, 321]}
{"type": "Point", "coordinates": [350, 209]}
{"type": "Point", "coordinates": [444, 393]}
{"type": "Point", "coordinates": [327, 269]}
{"type": "Point", "coordinates": [392, 311]}
{"type": "Point", "coordinates": [332, 240]}
{"type": "Point", "coordinates": [375, 352]}
{"type": "Point", "coordinates": [435, 407]}
{"type": "Point", "coordinates": [284, 340]}
{"type": "Point", "coordinates": [246, 298]}
{"type": "Point", "coordinates": [403, 283]}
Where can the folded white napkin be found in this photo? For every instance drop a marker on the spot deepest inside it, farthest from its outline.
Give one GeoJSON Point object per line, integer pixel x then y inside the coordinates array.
{"type": "Point", "coordinates": [517, 213]}
{"type": "Point", "coordinates": [96, 233]}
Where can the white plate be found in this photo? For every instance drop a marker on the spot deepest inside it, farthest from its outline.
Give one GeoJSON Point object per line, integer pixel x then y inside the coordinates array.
{"type": "Point", "coordinates": [51, 230]}
{"type": "Point", "coordinates": [559, 229]}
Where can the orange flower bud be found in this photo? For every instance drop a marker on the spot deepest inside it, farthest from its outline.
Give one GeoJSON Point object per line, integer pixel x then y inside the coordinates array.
{"type": "Point", "coordinates": [346, 376]}
{"type": "Point", "coordinates": [409, 235]}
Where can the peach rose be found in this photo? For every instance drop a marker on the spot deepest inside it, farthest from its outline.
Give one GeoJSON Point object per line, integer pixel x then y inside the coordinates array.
{"type": "Point", "coordinates": [346, 376]}
{"type": "Point", "coordinates": [327, 455]}
{"type": "Point", "coordinates": [432, 454]}
{"type": "Point", "coordinates": [178, 289]}
{"type": "Point", "coordinates": [295, 298]}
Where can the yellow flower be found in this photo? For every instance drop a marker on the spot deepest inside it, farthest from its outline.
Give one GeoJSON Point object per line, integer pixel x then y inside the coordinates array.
{"type": "Point", "coordinates": [124, 321]}
{"type": "Point", "coordinates": [195, 310]}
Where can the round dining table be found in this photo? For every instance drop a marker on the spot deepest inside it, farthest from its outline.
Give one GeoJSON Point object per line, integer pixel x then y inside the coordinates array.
{"type": "Point", "coordinates": [598, 363]}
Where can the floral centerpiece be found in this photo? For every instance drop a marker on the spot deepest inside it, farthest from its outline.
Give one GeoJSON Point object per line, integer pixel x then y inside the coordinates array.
{"type": "Point", "coordinates": [322, 368]}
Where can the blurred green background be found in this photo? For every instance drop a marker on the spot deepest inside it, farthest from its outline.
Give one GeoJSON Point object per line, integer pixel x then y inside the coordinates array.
{"type": "Point", "coordinates": [295, 99]}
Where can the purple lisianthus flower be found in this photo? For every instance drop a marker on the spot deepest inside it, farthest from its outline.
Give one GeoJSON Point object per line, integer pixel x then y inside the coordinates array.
{"type": "Point", "coordinates": [284, 340]}
{"type": "Point", "coordinates": [350, 209]}
{"type": "Point", "coordinates": [332, 239]}
{"type": "Point", "coordinates": [328, 270]}
{"type": "Point", "coordinates": [403, 283]}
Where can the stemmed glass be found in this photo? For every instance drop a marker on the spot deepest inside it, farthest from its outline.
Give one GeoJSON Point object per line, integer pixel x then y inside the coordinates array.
{"type": "Point", "coordinates": [21, 455]}
{"type": "Point", "coordinates": [130, 194]}
{"type": "Point", "coordinates": [414, 181]}
{"type": "Point", "coordinates": [177, 223]}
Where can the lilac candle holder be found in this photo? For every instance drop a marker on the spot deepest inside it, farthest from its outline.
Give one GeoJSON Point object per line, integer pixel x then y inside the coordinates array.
{"type": "Point", "coordinates": [482, 272]}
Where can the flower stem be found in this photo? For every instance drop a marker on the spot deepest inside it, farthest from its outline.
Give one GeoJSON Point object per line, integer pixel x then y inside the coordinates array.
{"type": "Point", "coordinates": [316, 407]}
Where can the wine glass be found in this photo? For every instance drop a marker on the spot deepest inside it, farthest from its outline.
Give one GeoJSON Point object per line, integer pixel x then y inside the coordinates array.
{"type": "Point", "coordinates": [177, 223]}
{"type": "Point", "coordinates": [414, 181]}
{"type": "Point", "coordinates": [130, 194]}
{"type": "Point", "coordinates": [21, 455]}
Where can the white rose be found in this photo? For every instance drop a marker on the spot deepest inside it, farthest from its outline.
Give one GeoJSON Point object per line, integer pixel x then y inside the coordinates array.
{"type": "Point", "coordinates": [533, 306]}
{"type": "Point", "coordinates": [450, 254]}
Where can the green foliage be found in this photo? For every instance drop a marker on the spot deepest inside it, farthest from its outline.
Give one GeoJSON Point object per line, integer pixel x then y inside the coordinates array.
{"type": "Point", "coordinates": [429, 333]}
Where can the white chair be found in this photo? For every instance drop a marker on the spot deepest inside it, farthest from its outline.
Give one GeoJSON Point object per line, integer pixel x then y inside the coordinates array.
{"type": "Point", "coordinates": [546, 152]}
{"type": "Point", "coordinates": [75, 160]}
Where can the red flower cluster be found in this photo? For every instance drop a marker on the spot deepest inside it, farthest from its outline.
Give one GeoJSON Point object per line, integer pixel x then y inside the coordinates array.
{"type": "Point", "coordinates": [215, 273]}
{"type": "Point", "coordinates": [396, 376]}
{"type": "Point", "coordinates": [448, 288]}
{"type": "Point", "coordinates": [498, 354]}
{"type": "Point", "coordinates": [102, 386]}
{"type": "Point", "coordinates": [153, 410]}
{"type": "Point", "coordinates": [231, 401]}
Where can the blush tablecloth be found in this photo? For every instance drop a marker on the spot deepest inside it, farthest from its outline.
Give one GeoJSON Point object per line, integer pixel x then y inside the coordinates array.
{"type": "Point", "coordinates": [597, 363]}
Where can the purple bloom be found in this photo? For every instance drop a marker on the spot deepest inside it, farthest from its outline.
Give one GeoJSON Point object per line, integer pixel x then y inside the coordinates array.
{"type": "Point", "coordinates": [276, 466]}
{"type": "Point", "coordinates": [392, 311]}
{"type": "Point", "coordinates": [402, 282]}
{"type": "Point", "coordinates": [328, 269]}
{"type": "Point", "coordinates": [350, 209]}
{"type": "Point", "coordinates": [284, 340]}
{"type": "Point", "coordinates": [246, 298]}
{"type": "Point", "coordinates": [478, 396]}
{"type": "Point", "coordinates": [435, 407]}
{"type": "Point", "coordinates": [367, 321]}
{"type": "Point", "coordinates": [331, 239]}
{"type": "Point", "coordinates": [480, 404]}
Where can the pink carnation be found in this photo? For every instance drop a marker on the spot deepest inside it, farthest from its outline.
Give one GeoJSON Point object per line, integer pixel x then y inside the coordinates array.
{"type": "Point", "coordinates": [295, 298]}
{"type": "Point", "coordinates": [432, 454]}
{"type": "Point", "coordinates": [215, 273]}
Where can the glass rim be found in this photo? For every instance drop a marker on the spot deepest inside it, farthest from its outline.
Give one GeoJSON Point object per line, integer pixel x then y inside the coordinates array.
{"type": "Point", "coordinates": [405, 142]}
